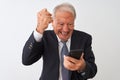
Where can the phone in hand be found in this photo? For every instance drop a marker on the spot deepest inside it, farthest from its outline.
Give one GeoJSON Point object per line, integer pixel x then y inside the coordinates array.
{"type": "Point", "coordinates": [76, 53]}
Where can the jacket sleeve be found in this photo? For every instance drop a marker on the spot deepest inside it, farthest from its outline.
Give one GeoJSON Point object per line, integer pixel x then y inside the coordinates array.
{"type": "Point", "coordinates": [91, 68]}
{"type": "Point", "coordinates": [32, 51]}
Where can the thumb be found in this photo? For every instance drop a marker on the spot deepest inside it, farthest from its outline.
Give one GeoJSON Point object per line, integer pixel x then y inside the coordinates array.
{"type": "Point", "coordinates": [45, 9]}
{"type": "Point", "coordinates": [82, 56]}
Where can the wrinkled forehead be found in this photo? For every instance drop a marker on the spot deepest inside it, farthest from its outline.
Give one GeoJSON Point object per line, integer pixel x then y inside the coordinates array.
{"type": "Point", "coordinates": [62, 16]}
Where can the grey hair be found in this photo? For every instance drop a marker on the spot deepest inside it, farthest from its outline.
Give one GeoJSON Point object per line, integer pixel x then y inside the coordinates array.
{"type": "Point", "coordinates": [65, 7]}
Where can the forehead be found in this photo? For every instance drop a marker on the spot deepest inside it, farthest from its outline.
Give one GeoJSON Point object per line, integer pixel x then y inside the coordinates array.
{"type": "Point", "coordinates": [64, 14]}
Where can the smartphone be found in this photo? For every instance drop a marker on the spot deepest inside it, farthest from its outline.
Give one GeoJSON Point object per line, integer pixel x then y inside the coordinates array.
{"type": "Point", "coordinates": [76, 53]}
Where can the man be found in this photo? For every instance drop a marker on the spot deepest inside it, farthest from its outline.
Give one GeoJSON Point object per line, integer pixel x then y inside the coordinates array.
{"type": "Point", "coordinates": [48, 44]}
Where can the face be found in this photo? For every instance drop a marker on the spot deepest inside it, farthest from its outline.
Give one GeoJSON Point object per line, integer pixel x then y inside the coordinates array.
{"type": "Point", "coordinates": [63, 25]}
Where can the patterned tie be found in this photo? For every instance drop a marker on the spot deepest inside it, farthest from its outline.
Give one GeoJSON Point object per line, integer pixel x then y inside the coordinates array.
{"type": "Point", "coordinates": [65, 72]}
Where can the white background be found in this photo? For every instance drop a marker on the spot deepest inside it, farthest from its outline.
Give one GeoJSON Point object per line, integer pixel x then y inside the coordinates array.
{"type": "Point", "coordinates": [100, 18]}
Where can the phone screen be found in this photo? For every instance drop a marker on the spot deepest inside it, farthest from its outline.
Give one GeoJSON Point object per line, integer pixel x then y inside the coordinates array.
{"type": "Point", "coordinates": [76, 53]}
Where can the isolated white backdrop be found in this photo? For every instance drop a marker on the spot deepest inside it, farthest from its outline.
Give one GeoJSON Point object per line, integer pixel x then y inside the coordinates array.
{"type": "Point", "coordinates": [100, 18]}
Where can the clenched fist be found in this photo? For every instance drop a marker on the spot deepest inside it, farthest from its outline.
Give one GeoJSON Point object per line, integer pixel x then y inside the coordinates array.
{"type": "Point", "coordinates": [44, 18]}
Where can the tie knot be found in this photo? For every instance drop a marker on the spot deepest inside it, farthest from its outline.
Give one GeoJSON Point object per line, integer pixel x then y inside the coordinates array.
{"type": "Point", "coordinates": [64, 42]}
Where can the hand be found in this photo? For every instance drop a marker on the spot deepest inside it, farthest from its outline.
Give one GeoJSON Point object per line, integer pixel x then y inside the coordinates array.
{"type": "Point", "coordinates": [74, 64]}
{"type": "Point", "coordinates": [43, 20]}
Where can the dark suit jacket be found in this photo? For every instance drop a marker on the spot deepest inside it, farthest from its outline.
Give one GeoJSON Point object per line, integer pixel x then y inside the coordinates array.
{"type": "Point", "coordinates": [48, 49]}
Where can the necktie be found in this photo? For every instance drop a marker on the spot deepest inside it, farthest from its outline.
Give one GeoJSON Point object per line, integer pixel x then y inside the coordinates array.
{"type": "Point", "coordinates": [65, 72]}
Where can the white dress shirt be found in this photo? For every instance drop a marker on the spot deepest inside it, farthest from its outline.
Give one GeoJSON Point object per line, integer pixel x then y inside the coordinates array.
{"type": "Point", "coordinates": [38, 37]}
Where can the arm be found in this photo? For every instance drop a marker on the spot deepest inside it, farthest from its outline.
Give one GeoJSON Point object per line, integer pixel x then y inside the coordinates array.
{"type": "Point", "coordinates": [85, 67]}
{"type": "Point", "coordinates": [32, 51]}
{"type": "Point", "coordinates": [34, 48]}
{"type": "Point", "coordinates": [90, 69]}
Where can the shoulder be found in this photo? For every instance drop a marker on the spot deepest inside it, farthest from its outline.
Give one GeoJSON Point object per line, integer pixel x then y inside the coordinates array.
{"type": "Point", "coordinates": [49, 35]}
{"type": "Point", "coordinates": [82, 34]}
{"type": "Point", "coordinates": [48, 32]}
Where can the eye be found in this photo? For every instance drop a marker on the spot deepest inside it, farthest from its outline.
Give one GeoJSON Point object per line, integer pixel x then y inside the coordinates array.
{"type": "Point", "coordinates": [61, 24]}
{"type": "Point", "coordinates": [70, 24]}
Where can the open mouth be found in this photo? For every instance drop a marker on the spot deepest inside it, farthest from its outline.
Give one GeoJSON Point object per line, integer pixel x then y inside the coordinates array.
{"type": "Point", "coordinates": [64, 33]}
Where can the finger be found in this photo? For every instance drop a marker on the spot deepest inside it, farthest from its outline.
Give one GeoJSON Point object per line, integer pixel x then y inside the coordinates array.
{"type": "Point", "coordinates": [45, 9]}
{"type": "Point", "coordinates": [50, 20]}
{"type": "Point", "coordinates": [46, 12]}
{"type": "Point", "coordinates": [47, 19]}
{"type": "Point", "coordinates": [82, 56]}
{"type": "Point", "coordinates": [73, 60]}
{"type": "Point", "coordinates": [70, 66]}
{"type": "Point", "coordinates": [41, 11]}
{"type": "Point", "coordinates": [67, 64]}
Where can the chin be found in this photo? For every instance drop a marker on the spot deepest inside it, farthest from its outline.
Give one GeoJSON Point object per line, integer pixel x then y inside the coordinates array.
{"type": "Point", "coordinates": [63, 38]}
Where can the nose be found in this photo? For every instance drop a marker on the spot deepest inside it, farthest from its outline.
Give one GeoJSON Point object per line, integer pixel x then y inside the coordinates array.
{"type": "Point", "coordinates": [65, 28]}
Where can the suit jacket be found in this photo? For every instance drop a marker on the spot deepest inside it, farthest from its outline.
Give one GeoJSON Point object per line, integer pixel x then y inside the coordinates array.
{"type": "Point", "coordinates": [48, 49]}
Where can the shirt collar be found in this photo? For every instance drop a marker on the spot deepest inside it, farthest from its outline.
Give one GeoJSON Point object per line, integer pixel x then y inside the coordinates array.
{"type": "Point", "coordinates": [59, 40]}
